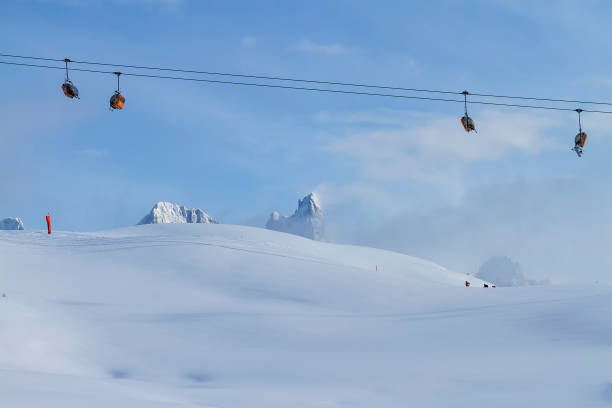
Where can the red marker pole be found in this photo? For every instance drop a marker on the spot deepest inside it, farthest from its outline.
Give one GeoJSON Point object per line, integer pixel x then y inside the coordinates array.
{"type": "Point", "coordinates": [49, 224]}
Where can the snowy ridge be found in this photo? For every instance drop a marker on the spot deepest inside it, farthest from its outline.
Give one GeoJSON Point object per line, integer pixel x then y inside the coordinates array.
{"type": "Point", "coordinates": [306, 221]}
{"type": "Point", "coordinates": [169, 213]}
{"type": "Point", "coordinates": [11, 224]}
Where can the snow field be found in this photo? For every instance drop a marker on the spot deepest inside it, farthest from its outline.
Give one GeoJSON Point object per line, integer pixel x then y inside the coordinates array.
{"type": "Point", "coordinates": [210, 315]}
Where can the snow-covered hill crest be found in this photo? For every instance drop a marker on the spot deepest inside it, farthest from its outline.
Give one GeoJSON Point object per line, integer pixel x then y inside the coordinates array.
{"type": "Point", "coordinates": [11, 224]}
{"type": "Point", "coordinates": [168, 213]}
{"type": "Point", "coordinates": [306, 221]}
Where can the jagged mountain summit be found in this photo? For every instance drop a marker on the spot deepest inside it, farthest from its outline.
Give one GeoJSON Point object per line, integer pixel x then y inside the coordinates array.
{"type": "Point", "coordinates": [11, 224]}
{"type": "Point", "coordinates": [168, 213]}
{"type": "Point", "coordinates": [306, 221]}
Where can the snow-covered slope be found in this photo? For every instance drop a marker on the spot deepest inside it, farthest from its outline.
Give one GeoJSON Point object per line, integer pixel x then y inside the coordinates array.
{"type": "Point", "coordinates": [306, 221]}
{"type": "Point", "coordinates": [168, 213]}
{"type": "Point", "coordinates": [11, 224]}
{"type": "Point", "coordinates": [226, 316]}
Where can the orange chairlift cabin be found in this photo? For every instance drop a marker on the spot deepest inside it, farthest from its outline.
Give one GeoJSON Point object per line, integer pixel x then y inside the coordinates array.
{"type": "Point", "coordinates": [68, 87]}
{"type": "Point", "coordinates": [466, 121]}
{"type": "Point", "coordinates": [581, 137]}
{"type": "Point", "coordinates": [117, 101]}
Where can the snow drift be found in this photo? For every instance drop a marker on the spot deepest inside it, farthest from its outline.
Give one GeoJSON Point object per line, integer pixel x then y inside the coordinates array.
{"type": "Point", "coordinates": [168, 213]}
{"type": "Point", "coordinates": [306, 221]}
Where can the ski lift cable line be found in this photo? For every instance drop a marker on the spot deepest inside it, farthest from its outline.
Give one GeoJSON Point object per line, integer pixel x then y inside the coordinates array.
{"type": "Point", "coordinates": [271, 78]}
{"type": "Point", "coordinates": [320, 82]}
{"type": "Point", "coordinates": [277, 86]}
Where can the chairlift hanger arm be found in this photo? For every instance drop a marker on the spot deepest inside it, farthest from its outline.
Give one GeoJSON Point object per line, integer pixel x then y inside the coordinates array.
{"type": "Point", "coordinates": [579, 120]}
{"type": "Point", "coordinates": [66, 60]}
{"type": "Point", "coordinates": [465, 94]}
{"type": "Point", "coordinates": [118, 74]}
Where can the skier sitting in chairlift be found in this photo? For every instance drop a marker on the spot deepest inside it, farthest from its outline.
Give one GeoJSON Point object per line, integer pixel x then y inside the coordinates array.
{"type": "Point", "coordinates": [579, 142]}
{"type": "Point", "coordinates": [580, 138]}
{"type": "Point", "coordinates": [468, 124]}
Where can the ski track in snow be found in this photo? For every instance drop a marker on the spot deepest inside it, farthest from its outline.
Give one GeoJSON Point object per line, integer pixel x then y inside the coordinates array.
{"type": "Point", "coordinates": [226, 316]}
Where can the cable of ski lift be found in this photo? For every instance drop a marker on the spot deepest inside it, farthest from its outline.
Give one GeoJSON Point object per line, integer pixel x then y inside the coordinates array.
{"type": "Point", "coordinates": [336, 83]}
{"type": "Point", "coordinates": [327, 90]}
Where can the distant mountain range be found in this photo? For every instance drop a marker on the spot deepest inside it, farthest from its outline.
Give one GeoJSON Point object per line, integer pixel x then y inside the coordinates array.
{"type": "Point", "coordinates": [306, 221]}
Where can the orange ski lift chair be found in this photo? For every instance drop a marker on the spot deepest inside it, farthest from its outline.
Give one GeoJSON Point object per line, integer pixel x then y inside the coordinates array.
{"type": "Point", "coordinates": [466, 121]}
{"type": "Point", "coordinates": [581, 137]}
{"type": "Point", "coordinates": [68, 87]}
{"type": "Point", "coordinates": [117, 101]}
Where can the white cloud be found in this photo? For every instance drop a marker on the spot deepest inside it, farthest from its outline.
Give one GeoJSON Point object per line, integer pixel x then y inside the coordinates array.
{"type": "Point", "coordinates": [557, 228]}
{"type": "Point", "coordinates": [527, 216]}
{"type": "Point", "coordinates": [317, 48]}
{"type": "Point", "coordinates": [430, 148]}
{"type": "Point", "coordinates": [358, 194]}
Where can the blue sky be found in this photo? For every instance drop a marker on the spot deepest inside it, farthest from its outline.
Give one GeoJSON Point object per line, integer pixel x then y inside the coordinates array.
{"type": "Point", "coordinates": [398, 174]}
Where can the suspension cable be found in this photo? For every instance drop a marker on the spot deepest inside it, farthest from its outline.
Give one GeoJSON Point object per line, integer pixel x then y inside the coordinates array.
{"type": "Point", "coordinates": [328, 90]}
{"type": "Point", "coordinates": [312, 81]}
